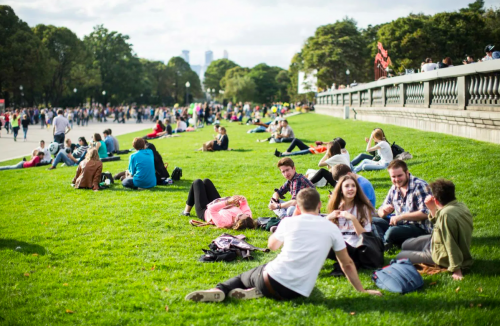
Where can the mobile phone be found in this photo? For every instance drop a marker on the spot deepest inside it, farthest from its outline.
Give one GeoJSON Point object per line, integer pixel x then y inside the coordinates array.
{"type": "Point", "coordinates": [330, 192]}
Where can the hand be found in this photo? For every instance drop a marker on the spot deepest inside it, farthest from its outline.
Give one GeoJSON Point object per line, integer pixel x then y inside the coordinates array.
{"type": "Point", "coordinates": [457, 275]}
{"type": "Point", "coordinates": [387, 209]}
{"type": "Point", "coordinates": [347, 215]}
{"type": "Point", "coordinates": [273, 206]}
{"type": "Point", "coordinates": [333, 215]}
{"type": "Point", "coordinates": [373, 292]}
{"type": "Point", "coordinates": [366, 140]}
{"type": "Point", "coordinates": [430, 202]}
{"type": "Point", "coordinates": [395, 220]}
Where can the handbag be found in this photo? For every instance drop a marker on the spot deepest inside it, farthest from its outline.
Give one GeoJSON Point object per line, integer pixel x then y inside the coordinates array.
{"type": "Point", "coordinates": [399, 277]}
{"type": "Point", "coordinates": [369, 252]}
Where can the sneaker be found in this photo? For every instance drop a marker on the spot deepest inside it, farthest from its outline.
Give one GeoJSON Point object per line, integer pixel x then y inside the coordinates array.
{"type": "Point", "coordinates": [185, 214]}
{"type": "Point", "coordinates": [51, 168]}
{"type": "Point", "coordinates": [63, 165]}
{"type": "Point", "coordinates": [277, 153]}
{"type": "Point", "coordinates": [206, 296]}
{"type": "Point", "coordinates": [24, 159]}
{"type": "Point", "coordinates": [272, 141]}
{"type": "Point", "coordinates": [245, 294]}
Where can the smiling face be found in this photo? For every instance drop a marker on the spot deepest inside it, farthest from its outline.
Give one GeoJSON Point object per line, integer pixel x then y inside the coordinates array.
{"type": "Point", "coordinates": [349, 189]}
{"type": "Point", "coordinates": [399, 177]}
{"type": "Point", "coordinates": [287, 172]}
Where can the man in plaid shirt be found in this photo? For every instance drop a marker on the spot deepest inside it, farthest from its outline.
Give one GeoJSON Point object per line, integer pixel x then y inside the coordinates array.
{"type": "Point", "coordinates": [295, 182]}
{"type": "Point", "coordinates": [406, 200]}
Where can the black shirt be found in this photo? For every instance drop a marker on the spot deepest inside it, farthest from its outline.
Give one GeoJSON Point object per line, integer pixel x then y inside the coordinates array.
{"type": "Point", "coordinates": [25, 123]}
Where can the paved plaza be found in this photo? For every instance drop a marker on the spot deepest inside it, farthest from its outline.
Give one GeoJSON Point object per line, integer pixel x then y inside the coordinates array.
{"type": "Point", "coordinates": [11, 150]}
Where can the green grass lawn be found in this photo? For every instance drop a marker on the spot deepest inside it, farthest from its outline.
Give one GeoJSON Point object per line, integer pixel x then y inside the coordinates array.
{"type": "Point", "coordinates": [121, 257]}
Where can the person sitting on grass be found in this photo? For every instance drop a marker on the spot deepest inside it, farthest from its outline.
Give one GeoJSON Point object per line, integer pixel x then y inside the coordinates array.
{"type": "Point", "coordinates": [88, 173]}
{"type": "Point", "coordinates": [304, 149]}
{"type": "Point", "coordinates": [274, 128]}
{"type": "Point", "coordinates": [100, 145]}
{"type": "Point", "coordinates": [306, 239]}
{"type": "Point", "coordinates": [35, 159]}
{"type": "Point", "coordinates": [340, 170]}
{"type": "Point", "coordinates": [351, 211]}
{"type": "Point", "coordinates": [68, 158]}
{"type": "Point", "coordinates": [110, 145]}
{"type": "Point", "coordinates": [141, 167]}
{"type": "Point", "coordinates": [116, 144]}
{"type": "Point", "coordinates": [285, 135]}
{"type": "Point", "coordinates": [45, 150]}
{"type": "Point", "coordinates": [159, 128]}
{"type": "Point", "coordinates": [161, 172]}
{"type": "Point", "coordinates": [406, 199]}
{"type": "Point", "coordinates": [335, 154]}
{"type": "Point", "coordinates": [449, 244]}
{"type": "Point", "coordinates": [383, 150]}
{"type": "Point", "coordinates": [229, 212]}
{"type": "Point", "coordinates": [181, 125]}
{"type": "Point", "coordinates": [295, 182]}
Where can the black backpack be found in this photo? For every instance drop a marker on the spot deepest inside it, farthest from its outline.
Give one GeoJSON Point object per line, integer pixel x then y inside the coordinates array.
{"type": "Point", "coordinates": [396, 149]}
{"type": "Point", "coordinates": [107, 175]}
{"type": "Point", "coordinates": [176, 174]}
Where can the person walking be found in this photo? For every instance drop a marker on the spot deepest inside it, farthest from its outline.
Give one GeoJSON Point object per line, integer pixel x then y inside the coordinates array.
{"type": "Point", "coordinates": [25, 123]}
{"type": "Point", "coordinates": [15, 125]}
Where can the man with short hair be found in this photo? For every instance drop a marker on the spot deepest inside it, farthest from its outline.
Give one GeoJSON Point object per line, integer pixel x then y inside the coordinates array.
{"type": "Point", "coordinates": [115, 141]}
{"type": "Point", "coordinates": [489, 52]}
{"type": "Point", "coordinates": [286, 134]}
{"type": "Point", "coordinates": [340, 170]}
{"type": "Point", "coordinates": [60, 127]}
{"type": "Point", "coordinates": [295, 182]}
{"type": "Point", "coordinates": [406, 200]}
{"type": "Point", "coordinates": [109, 142]}
{"type": "Point", "coordinates": [306, 239]}
{"type": "Point", "coordinates": [46, 153]}
{"type": "Point", "coordinates": [449, 245]}
{"type": "Point", "coordinates": [429, 65]}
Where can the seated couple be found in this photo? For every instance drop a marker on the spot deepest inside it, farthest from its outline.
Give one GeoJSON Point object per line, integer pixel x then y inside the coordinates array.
{"type": "Point", "coordinates": [306, 240]}
{"type": "Point", "coordinates": [160, 130]}
{"type": "Point", "coordinates": [71, 157]}
{"type": "Point", "coordinates": [449, 244]}
{"type": "Point", "coordinates": [88, 173]}
{"type": "Point", "coordinates": [228, 212]}
{"type": "Point", "coordinates": [220, 143]}
{"type": "Point", "coordinates": [270, 126]}
{"type": "Point", "coordinates": [284, 134]}
{"type": "Point", "coordinates": [366, 161]}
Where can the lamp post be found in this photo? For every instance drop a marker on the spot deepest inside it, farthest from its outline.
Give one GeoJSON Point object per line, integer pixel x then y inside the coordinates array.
{"type": "Point", "coordinates": [22, 94]}
{"type": "Point", "coordinates": [187, 92]}
{"type": "Point", "coordinates": [347, 73]}
{"type": "Point", "coordinates": [74, 91]}
{"type": "Point", "coordinates": [104, 94]}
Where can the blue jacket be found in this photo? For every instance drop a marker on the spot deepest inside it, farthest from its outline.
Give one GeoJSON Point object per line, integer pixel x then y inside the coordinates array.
{"type": "Point", "coordinates": [142, 167]}
{"type": "Point", "coordinates": [110, 145]}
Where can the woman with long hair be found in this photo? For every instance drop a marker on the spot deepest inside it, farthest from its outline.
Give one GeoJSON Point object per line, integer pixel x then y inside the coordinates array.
{"type": "Point", "coordinates": [351, 211]}
{"type": "Point", "coordinates": [100, 145]}
{"type": "Point", "coordinates": [160, 167]}
{"type": "Point", "coordinates": [335, 154]}
{"type": "Point", "coordinates": [15, 125]}
{"type": "Point", "coordinates": [383, 150]}
{"type": "Point", "coordinates": [160, 127]}
{"type": "Point", "coordinates": [369, 156]}
{"type": "Point", "coordinates": [88, 174]}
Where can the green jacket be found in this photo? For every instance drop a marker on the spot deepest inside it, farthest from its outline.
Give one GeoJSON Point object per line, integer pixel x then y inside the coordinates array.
{"type": "Point", "coordinates": [452, 236]}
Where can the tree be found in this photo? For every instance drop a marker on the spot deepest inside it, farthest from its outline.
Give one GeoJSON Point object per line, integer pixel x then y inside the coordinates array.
{"type": "Point", "coordinates": [474, 7]}
{"type": "Point", "coordinates": [283, 80]}
{"type": "Point", "coordinates": [240, 88]}
{"type": "Point", "coordinates": [236, 71]}
{"type": "Point", "coordinates": [182, 73]}
{"type": "Point", "coordinates": [216, 71]}
{"type": "Point", "coordinates": [333, 49]}
{"type": "Point", "coordinates": [267, 87]}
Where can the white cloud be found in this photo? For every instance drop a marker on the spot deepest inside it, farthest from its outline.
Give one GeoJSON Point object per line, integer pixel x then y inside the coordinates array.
{"type": "Point", "coordinates": [252, 31]}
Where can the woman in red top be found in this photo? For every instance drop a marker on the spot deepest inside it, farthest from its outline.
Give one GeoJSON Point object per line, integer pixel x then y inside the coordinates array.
{"type": "Point", "coordinates": [229, 212]}
{"type": "Point", "coordinates": [160, 127]}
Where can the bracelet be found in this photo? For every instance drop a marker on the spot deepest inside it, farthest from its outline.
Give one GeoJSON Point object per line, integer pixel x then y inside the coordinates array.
{"type": "Point", "coordinates": [279, 206]}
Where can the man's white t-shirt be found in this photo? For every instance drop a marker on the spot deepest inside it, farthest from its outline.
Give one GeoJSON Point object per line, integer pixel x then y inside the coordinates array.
{"type": "Point", "coordinates": [60, 122]}
{"type": "Point", "coordinates": [429, 67]}
{"type": "Point", "coordinates": [307, 240]}
{"type": "Point", "coordinates": [385, 152]}
{"type": "Point", "coordinates": [46, 153]}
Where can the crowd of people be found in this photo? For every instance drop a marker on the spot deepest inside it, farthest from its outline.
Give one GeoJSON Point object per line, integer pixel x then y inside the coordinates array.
{"type": "Point", "coordinates": [424, 220]}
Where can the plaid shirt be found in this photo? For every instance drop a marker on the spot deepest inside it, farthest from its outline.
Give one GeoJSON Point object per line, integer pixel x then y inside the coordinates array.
{"type": "Point", "coordinates": [413, 202]}
{"type": "Point", "coordinates": [293, 186]}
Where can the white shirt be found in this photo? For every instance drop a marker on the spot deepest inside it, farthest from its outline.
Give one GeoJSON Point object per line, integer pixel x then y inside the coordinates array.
{"type": "Point", "coordinates": [287, 132]}
{"type": "Point", "coordinates": [342, 158]}
{"type": "Point", "coordinates": [60, 122]}
{"type": "Point", "coordinates": [307, 240]}
{"type": "Point", "coordinates": [385, 152]}
{"type": "Point", "coordinates": [182, 125]}
{"type": "Point", "coordinates": [46, 153]}
{"type": "Point", "coordinates": [348, 230]}
{"type": "Point", "coordinates": [429, 67]}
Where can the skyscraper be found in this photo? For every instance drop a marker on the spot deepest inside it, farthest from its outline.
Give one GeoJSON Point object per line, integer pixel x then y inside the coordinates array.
{"type": "Point", "coordinates": [185, 55]}
{"type": "Point", "coordinates": [225, 55]}
{"type": "Point", "coordinates": [209, 57]}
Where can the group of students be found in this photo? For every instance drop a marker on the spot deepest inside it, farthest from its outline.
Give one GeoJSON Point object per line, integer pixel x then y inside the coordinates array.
{"type": "Point", "coordinates": [426, 221]}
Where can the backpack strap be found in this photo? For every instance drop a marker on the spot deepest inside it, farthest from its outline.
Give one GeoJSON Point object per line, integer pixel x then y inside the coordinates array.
{"type": "Point", "coordinates": [199, 223]}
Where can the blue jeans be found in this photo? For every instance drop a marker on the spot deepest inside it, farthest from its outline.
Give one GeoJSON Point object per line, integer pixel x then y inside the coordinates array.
{"type": "Point", "coordinates": [396, 234]}
{"type": "Point", "coordinates": [12, 167]}
{"type": "Point", "coordinates": [25, 130]}
{"type": "Point", "coordinates": [303, 152]}
{"type": "Point", "coordinates": [63, 156]}
{"type": "Point", "coordinates": [258, 129]}
{"type": "Point", "coordinates": [361, 157]}
{"type": "Point", "coordinates": [369, 165]}
{"type": "Point", "coordinates": [128, 183]}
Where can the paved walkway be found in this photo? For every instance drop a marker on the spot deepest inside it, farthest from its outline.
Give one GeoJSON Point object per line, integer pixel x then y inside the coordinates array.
{"type": "Point", "coordinates": [10, 150]}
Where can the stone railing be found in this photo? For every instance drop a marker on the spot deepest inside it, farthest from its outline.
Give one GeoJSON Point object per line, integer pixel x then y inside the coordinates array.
{"type": "Point", "coordinates": [462, 100]}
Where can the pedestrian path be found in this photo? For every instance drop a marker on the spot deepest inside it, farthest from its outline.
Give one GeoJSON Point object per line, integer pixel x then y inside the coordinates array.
{"type": "Point", "coordinates": [9, 149]}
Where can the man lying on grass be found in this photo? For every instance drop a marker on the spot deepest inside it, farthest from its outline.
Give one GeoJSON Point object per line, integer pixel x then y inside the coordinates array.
{"type": "Point", "coordinates": [306, 239]}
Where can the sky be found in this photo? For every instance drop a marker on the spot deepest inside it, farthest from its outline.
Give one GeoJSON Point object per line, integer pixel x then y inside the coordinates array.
{"type": "Point", "coordinates": [252, 31]}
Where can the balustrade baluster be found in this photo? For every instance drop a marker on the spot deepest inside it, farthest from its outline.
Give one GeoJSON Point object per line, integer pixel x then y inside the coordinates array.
{"type": "Point", "coordinates": [490, 90]}
{"type": "Point", "coordinates": [480, 90]}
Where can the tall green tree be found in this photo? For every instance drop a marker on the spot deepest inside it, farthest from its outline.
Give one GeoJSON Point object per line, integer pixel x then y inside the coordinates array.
{"type": "Point", "coordinates": [267, 87]}
{"type": "Point", "coordinates": [240, 88]}
{"type": "Point", "coordinates": [236, 71]}
{"type": "Point", "coordinates": [216, 71]}
{"type": "Point", "coordinates": [182, 74]}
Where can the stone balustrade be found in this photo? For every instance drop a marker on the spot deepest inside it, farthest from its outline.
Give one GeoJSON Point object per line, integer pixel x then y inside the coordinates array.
{"type": "Point", "coordinates": [462, 101]}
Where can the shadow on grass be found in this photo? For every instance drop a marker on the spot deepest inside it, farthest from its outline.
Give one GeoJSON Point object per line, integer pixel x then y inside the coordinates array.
{"type": "Point", "coordinates": [22, 247]}
{"type": "Point", "coordinates": [241, 150]}
{"type": "Point", "coordinates": [180, 185]}
{"type": "Point", "coordinates": [414, 162]}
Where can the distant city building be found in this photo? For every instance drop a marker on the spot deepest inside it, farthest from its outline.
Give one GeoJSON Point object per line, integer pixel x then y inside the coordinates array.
{"type": "Point", "coordinates": [225, 55]}
{"type": "Point", "coordinates": [209, 57]}
{"type": "Point", "coordinates": [185, 55]}
{"type": "Point", "coordinates": [198, 69]}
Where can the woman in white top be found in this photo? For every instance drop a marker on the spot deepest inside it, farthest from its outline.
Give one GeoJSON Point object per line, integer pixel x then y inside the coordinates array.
{"type": "Point", "coordinates": [383, 150]}
{"type": "Point", "coordinates": [335, 154]}
{"type": "Point", "coordinates": [181, 125]}
{"type": "Point", "coordinates": [351, 211]}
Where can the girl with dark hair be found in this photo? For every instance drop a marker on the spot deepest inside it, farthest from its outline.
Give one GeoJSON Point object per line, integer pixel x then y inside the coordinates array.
{"type": "Point", "coordinates": [228, 212]}
{"type": "Point", "coordinates": [351, 211]}
{"type": "Point", "coordinates": [160, 167]}
{"type": "Point", "coordinates": [160, 127]}
{"type": "Point", "coordinates": [335, 154]}
{"type": "Point", "coordinates": [100, 145]}
{"type": "Point", "coordinates": [15, 125]}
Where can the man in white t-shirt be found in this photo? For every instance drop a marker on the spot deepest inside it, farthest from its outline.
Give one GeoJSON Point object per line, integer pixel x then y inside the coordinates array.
{"type": "Point", "coordinates": [429, 66]}
{"type": "Point", "coordinates": [45, 150]}
{"type": "Point", "coordinates": [306, 239]}
{"type": "Point", "coordinates": [60, 127]}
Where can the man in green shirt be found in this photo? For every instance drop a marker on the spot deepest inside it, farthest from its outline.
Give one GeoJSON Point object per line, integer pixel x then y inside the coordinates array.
{"type": "Point", "coordinates": [449, 244]}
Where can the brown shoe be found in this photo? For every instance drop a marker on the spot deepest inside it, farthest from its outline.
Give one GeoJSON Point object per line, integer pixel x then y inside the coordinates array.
{"type": "Point", "coordinates": [51, 168]}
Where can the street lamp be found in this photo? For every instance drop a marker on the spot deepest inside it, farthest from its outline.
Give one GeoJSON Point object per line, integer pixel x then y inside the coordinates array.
{"type": "Point", "coordinates": [347, 73]}
{"type": "Point", "coordinates": [74, 91]}
{"type": "Point", "coordinates": [187, 92]}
